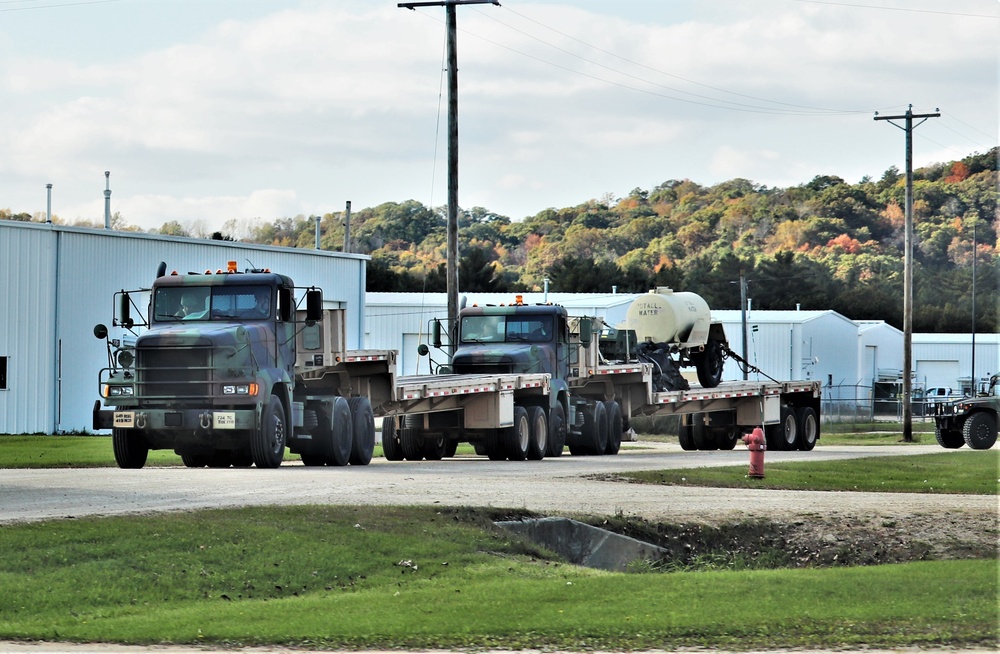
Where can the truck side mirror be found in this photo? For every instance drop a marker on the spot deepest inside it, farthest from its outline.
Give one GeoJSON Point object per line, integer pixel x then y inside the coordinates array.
{"type": "Point", "coordinates": [436, 333]}
{"type": "Point", "coordinates": [314, 305]}
{"type": "Point", "coordinates": [586, 332]}
{"type": "Point", "coordinates": [124, 310]}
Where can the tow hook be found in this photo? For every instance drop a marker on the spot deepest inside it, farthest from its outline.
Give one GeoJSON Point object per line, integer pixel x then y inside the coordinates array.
{"type": "Point", "coordinates": [140, 421]}
{"type": "Point", "coordinates": [206, 420]}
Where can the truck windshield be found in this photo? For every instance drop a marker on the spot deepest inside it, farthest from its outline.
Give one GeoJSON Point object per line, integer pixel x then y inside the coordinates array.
{"type": "Point", "coordinates": [189, 303]}
{"type": "Point", "coordinates": [499, 329]}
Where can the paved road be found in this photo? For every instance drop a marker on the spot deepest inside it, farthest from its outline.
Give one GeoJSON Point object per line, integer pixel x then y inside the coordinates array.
{"type": "Point", "coordinates": [552, 485]}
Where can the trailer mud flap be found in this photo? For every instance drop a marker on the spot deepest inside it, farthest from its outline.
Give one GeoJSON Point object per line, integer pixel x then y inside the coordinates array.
{"type": "Point", "coordinates": [489, 410]}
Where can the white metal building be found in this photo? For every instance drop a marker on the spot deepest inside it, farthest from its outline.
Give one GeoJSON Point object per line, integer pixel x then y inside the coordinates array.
{"type": "Point", "coordinates": [58, 282]}
{"type": "Point", "coordinates": [946, 359]}
{"type": "Point", "coordinates": [880, 351]}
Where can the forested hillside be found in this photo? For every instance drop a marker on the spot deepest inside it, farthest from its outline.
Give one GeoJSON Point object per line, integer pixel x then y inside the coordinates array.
{"type": "Point", "coordinates": [825, 244]}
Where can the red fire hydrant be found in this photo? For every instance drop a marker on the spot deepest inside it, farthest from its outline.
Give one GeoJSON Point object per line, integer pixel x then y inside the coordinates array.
{"type": "Point", "coordinates": [756, 444]}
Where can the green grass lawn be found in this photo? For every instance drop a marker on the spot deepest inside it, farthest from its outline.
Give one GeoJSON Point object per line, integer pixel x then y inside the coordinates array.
{"type": "Point", "coordinates": [968, 472]}
{"type": "Point", "coordinates": [366, 577]}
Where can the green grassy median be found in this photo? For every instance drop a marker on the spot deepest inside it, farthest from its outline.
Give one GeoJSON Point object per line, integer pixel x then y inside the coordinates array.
{"type": "Point", "coordinates": [351, 577]}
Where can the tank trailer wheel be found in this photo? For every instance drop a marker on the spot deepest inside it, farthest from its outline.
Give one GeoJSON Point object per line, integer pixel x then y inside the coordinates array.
{"type": "Point", "coordinates": [131, 449]}
{"type": "Point", "coordinates": [267, 446]}
{"type": "Point", "coordinates": [709, 364]}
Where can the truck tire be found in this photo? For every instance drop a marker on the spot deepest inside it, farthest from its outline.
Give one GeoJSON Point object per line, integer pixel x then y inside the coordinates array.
{"type": "Point", "coordinates": [685, 436]}
{"type": "Point", "coordinates": [411, 443]}
{"type": "Point", "coordinates": [496, 444]}
{"type": "Point", "coordinates": [539, 441]}
{"type": "Point", "coordinates": [363, 431]}
{"type": "Point", "coordinates": [557, 431]}
{"type": "Point", "coordinates": [267, 445]}
{"type": "Point", "coordinates": [518, 436]}
{"type": "Point", "coordinates": [434, 447]}
{"type": "Point", "coordinates": [979, 430]}
{"type": "Point", "coordinates": [807, 428]}
{"type": "Point", "coordinates": [615, 426]}
{"type": "Point", "coordinates": [709, 364]}
{"type": "Point", "coordinates": [950, 439]}
{"type": "Point", "coordinates": [595, 430]}
{"type": "Point", "coordinates": [341, 433]}
{"type": "Point", "coordinates": [727, 437]}
{"type": "Point", "coordinates": [703, 435]}
{"type": "Point", "coordinates": [391, 449]}
{"type": "Point", "coordinates": [131, 449]}
{"type": "Point", "coordinates": [194, 460]}
{"type": "Point", "coordinates": [450, 447]}
{"type": "Point", "coordinates": [782, 436]}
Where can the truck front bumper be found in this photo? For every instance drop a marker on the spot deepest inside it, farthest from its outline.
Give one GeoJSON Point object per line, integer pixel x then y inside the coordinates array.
{"type": "Point", "coordinates": [166, 420]}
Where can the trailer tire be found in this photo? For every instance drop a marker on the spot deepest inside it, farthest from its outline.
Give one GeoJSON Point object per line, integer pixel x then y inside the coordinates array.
{"type": "Point", "coordinates": [412, 444]}
{"type": "Point", "coordinates": [709, 364]}
{"type": "Point", "coordinates": [703, 436]}
{"type": "Point", "coordinates": [980, 430]}
{"type": "Point", "coordinates": [782, 436]}
{"type": "Point", "coordinates": [363, 432]}
{"type": "Point", "coordinates": [595, 430]}
{"type": "Point", "coordinates": [194, 460]}
{"type": "Point", "coordinates": [539, 441]}
{"type": "Point", "coordinates": [341, 437]}
{"type": "Point", "coordinates": [807, 428]}
{"type": "Point", "coordinates": [950, 439]}
{"type": "Point", "coordinates": [267, 444]}
{"type": "Point", "coordinates": [131, 449]}
{"type": "Point", "coordinates": [557, 431]}
{"type": "Point", "coordinates": [518, 436]}
{"type": "Point", "coordinates": [391, 448]}
{"type": "Point", "coordinates": [496, 445]}
{"type": "Point", "coordinates": [685, 436]}
{"type": "Point", "coordinates": [728, 437]}
{"type": "Point", "coordinates": [434, 447]}
{"type": "Point", "coordinates": [613, 410]}
{"type": "Point", "coordinates": [450, 447]}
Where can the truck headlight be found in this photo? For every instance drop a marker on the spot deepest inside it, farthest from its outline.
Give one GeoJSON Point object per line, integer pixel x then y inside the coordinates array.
{"type": "Point", "coordinates": [239, 389]}
{"type": "Point", "coordinates": [118, 391]}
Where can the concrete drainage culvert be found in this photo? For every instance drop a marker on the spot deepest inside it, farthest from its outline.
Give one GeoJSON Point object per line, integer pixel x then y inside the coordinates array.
{"type": "Point", "coordinates": [582, 544]}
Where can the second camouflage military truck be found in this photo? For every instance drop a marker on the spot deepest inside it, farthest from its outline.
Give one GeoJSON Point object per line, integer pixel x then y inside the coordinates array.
{"type": "Point", "coordinates": [969, 421]}
{"type": "Point", "coordinates": [229, 370]}
{"type": "Point", "coordinates": [599, 379]}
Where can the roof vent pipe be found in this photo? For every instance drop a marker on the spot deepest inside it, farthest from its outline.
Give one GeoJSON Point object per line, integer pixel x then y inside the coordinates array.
{"type": "Point", "coordinates": [318, 218]}
{"type": "Point", "coordinates": [107, 199]}
{"type": "Point", "coordinates": [48, 204]}
{"type": "Point", "coordinates": [798, 306]}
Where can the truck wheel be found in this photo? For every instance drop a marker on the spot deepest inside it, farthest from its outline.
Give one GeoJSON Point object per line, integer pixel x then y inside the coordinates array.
{"type": "Point", "coordinates": [341, 436]}
{"type": "Point", "coordinates": [615, 426]}
{"type": "Point", "coordinates": [496, 444]}
{"type": "Point", "coordinates": [727, 437]}
{"type": "Point", "coordinates": [363, 431]}
{"type": "Point", "coordinates": [131, 449]}
{"type": "Point", "coordinates": [782, 436]}
{"type": "Point", "coordinates": [267, 446]}
{"type": "Point", "coordinates": [709, 363]}
{"type": "Point", "coordinates": [949, 439]}
{"type": "Point", "coordinates": [703, 436]}
{"type": "Point", "coordinates": [595, 429]}
{"type": "Point", "coordinates": [979, 431]}
{"type": "Point", "coordinates": [450, 447]}
{"type": "Point", "coordinates": [557, 431]}
{"type": "Point", "coordinates": [518, 436]}
{"type": "Point", "coordinates": [411, 443]}
{"type": "Point", "coordinates": [480, 447]}
{"type": "Point", "coordinates": [391, 449]}
{"type": "Point", "coordinates": [807, 426]}
{"type": "Point", "coordinates": [194, 460]}
{"type": "Point", "coordinates": [538, 443]}
{"type": "Point", "coordinates": [434, 447]}
{"type": "Point", "coordinates": [685, 436]}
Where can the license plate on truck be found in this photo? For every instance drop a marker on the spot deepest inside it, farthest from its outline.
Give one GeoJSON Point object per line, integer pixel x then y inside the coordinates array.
{"type": "Point", "coordinates": [224, 420]}
{"type": "Point", "coordinates": [124, 419]}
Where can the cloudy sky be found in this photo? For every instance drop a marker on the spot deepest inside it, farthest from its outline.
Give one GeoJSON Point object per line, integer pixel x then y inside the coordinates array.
{"type": "Point", "coordinates": [212, 110]}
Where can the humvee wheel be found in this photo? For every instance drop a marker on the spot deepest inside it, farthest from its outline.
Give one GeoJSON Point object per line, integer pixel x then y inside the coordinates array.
{"type": "Point", "coordinates": [949, 439]}
{"type": "Point", "coordinates": [980, 431]}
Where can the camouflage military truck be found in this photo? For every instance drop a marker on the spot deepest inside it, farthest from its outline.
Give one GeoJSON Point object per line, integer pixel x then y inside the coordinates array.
{"type": "Point", "coordinates": [227, 370]}
{"type": "Point", "coordinates": [969, 421]}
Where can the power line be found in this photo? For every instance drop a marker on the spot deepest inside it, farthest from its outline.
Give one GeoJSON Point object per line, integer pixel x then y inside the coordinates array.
{"type": "Point", "coordinates": [55, 6]}
{"type": "Point", "coordinates": [907, 9]}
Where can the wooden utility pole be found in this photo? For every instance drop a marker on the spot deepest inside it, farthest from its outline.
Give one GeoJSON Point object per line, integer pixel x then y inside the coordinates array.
{"type": "Point", "coordinates": [452, 223]}
{"type": "Point", "coordinates": [908, 266]}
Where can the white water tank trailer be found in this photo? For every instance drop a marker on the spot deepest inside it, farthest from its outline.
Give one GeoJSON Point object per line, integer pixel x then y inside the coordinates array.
{"type": "Point", "coordinates": [665, 316]}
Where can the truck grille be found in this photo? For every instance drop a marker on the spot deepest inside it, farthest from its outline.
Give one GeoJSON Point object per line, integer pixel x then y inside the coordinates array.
{"type": "Point", "coordinates": [472, 367]}
{"type": "Point", "coordinates": [174, 373]}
